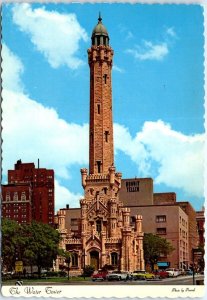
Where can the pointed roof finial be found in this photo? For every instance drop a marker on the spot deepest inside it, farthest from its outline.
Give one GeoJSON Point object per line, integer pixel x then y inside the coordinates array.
{"type": "Point", "coordinates": [99, 18]}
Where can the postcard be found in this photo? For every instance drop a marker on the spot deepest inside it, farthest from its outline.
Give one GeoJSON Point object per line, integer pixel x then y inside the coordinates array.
{"type": "Point", "coordinates": [103, 143]}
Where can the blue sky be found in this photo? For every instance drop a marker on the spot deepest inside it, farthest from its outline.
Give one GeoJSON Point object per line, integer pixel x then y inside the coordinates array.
{"type": "Point", "coordinates": [158, 95]}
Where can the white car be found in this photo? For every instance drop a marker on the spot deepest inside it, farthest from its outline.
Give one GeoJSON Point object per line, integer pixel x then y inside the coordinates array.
{"type": "Point", "coordinates": [118, 275]}
{"type": "Point", "coordinates": [173, 272]}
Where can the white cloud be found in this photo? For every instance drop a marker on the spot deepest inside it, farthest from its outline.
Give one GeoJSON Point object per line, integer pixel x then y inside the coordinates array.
{"type": "Point", "coordinates": [117, 69]}
{"type": "Point", "coordinates": [150, 51]}
{"type": "Point", "coordinates": [63, 197]}
{"type": "Point", "coordinates": [55, 35]}
{"type": "Point", "coordinates": [12, 69]}
{"type": "Point", "coordinates": [171, 32]}
{"type": "Point", "coordinates": [35, 131]}
{"type": "Point", "coordinates": [171, 157]}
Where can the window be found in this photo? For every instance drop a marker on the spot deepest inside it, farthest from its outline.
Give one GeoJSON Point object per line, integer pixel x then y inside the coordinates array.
{"type": "Point", "coordinates": [99, 108]}
{"type": "Point", "coordinates": [160, 219]}
{"type": "Point", "coordinates": [114, 259]}
{"type": "Point", "coordinates": [74, 222]}
{"type": "Point", "coordinates": [105, 77]}
{"type": "Point", "coordinates": [74, 261]}
{"type": "Point", "coordinates": [105, 190]}
{"type": "Point", "coordinates": [98, 226]}
{"type": "Point", "coordinates": [161, 230]}
{"type": "Point", "coordinates": [106, 136]}
{"type": "Point", "coordinates": [99, 166]}
{"type": "Point", "coordinates": [15, 197]}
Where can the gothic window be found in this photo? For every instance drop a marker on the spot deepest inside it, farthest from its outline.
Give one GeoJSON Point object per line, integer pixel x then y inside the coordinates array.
{"type": "Point", "coordinates": [114, 259]}
{"type": "Point", "coordinates": [106, 136]}
{"type": "Point", "coordinates": [74, 261]}
{"type": "Point", "coordinates": [98, 226]}
{"type": "Point", "coordinates": [99, 166]}
{"type": "Point", "coordinates": [105, 190]}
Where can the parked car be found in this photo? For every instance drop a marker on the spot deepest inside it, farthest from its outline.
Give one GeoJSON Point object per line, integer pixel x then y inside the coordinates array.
{"type": "Point", "coordinates": [173, 272]}
{"type": "Point", "coordinates": [100, 275]}
{"type": "Point", "coordinates": [118, 275]}
{"type": "Point", "coordinates": [161, 274]}
{"type": "Point", "coordinates": [189, 272]}
{"type": "Point", "coordinates": [140, 274]}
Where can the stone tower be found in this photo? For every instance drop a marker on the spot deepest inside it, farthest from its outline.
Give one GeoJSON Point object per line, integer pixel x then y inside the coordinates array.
{"type": "Point", "coordinates": [100, 56]}
{"type": "Point", "coordinates": [106, 236]}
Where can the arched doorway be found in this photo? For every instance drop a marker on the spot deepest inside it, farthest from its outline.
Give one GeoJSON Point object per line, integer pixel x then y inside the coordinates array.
{"type": "Point", "coordinates": [94, 259]}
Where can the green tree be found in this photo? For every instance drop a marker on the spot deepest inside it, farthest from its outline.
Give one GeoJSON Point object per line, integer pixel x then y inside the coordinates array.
{"type": "Point", "coordinates": [154, 246]}
{"type": "Point", "coordinates": [14, 242]}
{"type": "Point", "coordinates": [34, 244]}
{"type": "Point", "coordinates": [43, 245]}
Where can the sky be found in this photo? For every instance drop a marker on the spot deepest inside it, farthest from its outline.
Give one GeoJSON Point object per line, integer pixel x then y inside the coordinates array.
{"type": "Point", "coordinates": [157, 86]}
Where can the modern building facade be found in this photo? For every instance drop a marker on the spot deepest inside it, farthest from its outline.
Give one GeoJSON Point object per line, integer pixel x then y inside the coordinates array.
{"type": "Point", "coordinates": [36, 185]}
{"type": "Point", "coordinates": [100, 232]}
{"type": "Point", "coordinates": [165, 216]}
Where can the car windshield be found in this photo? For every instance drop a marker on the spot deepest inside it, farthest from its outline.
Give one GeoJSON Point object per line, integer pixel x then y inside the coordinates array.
{"type": "Point", "coordinates": [140, 271]}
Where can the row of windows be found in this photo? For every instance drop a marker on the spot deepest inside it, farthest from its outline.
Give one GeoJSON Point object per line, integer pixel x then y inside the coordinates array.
{"type": "Point", "coordinates": [74, 259]}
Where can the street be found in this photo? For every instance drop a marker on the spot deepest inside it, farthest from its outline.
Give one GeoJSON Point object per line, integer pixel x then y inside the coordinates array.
{"type": "Point", "coordinates": [181, 280]}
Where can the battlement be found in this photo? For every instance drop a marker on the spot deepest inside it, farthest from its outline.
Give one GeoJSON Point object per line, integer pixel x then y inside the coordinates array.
{"type": "Point", "coordinates": [72, 241]}
{"type": "Point", "coordinates": [97, 177]}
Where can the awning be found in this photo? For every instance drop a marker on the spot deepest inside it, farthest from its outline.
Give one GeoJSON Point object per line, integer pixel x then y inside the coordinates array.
{"type": "Point", "coordinates": [163, 263]}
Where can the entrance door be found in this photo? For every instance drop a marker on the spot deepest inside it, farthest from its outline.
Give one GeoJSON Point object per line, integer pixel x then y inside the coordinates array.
{"type": "Point", "coordinates": [94, 255]}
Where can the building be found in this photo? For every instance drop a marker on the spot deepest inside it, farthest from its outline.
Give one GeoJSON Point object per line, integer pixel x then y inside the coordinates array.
{"type": "Point", "coordinates": [200, 220]}
{"type": "Point", "coordinates": [178, 223]}
{"type": "Point", "coordinates": [17, 202]}
{"type": "Point", "coordinates": [100, 232]}
{"type": "Point", "coordinates": [37, 184]}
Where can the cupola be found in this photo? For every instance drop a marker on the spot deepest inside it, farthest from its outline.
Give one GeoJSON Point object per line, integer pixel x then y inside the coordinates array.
{"type": "Point", "coordinates": [100, 34]}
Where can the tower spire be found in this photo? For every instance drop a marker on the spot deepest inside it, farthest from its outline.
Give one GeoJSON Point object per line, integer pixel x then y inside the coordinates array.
{"type": "Point", "coordinates": [99, 17]}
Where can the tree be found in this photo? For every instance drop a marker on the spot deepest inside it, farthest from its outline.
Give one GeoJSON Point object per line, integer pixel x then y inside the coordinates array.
{"type": "Point", "coordinates": [34, 244]}
{"type": "Point", "coordinates": [43, 245]}
{"type": "Point", "coordinates": [154, 246]}
{"type": "Point", "coordinates": [13, 243]}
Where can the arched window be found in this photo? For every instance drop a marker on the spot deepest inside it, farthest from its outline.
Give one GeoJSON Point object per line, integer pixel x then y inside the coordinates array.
{"type": "Point", "coordinates": [74, 260]}
{"type": "Point", "coordinates": [98, 226]}
{"type": "Point", "coordinates": [114, 259]}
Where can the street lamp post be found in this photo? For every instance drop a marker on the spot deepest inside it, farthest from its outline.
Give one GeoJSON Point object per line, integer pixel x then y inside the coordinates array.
{"type": "Point", "coordinates": [84, 262]}
{"type": "Point", "coordinates": [68, 262]}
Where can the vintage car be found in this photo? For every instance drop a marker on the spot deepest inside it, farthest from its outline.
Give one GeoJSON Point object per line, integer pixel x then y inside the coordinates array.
{"type": "Point", "coordinates": [100, 275]}
{"type": "Point", "coordinates": [161, 274]}
{"type": "Point", "coordinates": [143, 275]}
{"type": "Point", "coordinates": [118, 275]}
{"type": "Point", "coordinates": [173, 272]}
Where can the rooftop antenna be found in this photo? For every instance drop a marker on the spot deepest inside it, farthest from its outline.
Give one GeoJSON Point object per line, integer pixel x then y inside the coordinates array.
{"type": "Point", "coordinates": [38, 163]}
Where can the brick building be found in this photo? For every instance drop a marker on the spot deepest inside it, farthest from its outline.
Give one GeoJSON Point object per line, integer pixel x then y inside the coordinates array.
{"type": "Point", "coordinates": [17, 202]}
{"type": "Point", "coordinates": [37, 184]}
{"type": "Point", "coordinates": [99, 233]}
{"type": "Point", "coordinates": [200, 220]}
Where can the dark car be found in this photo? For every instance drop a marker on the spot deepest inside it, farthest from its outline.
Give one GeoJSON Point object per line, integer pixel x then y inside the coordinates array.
{"type": "Point", "coordinates": [161, 274]}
